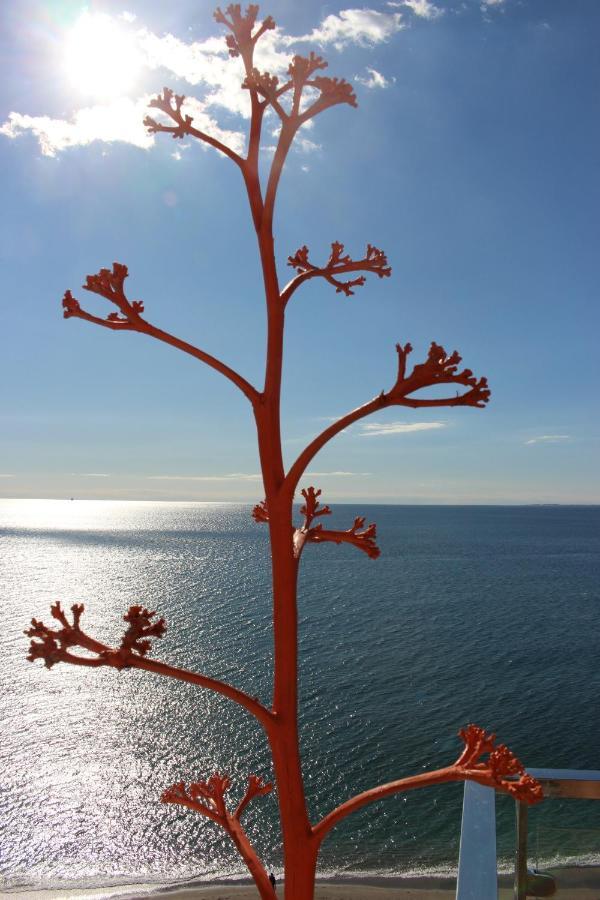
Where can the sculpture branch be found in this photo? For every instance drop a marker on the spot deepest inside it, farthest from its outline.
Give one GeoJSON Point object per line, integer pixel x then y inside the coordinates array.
{"type": "Point", "coordinates": [331, 91]}
{"type": "Point", "coordinates": [241, 41]}
{"type": "Point", "coordinates": [501, 771]}
{"type": "Point", "coordinates": [374, 261]}
{"type": "Point", "coordinates": [256, 788]}
{"type": "Point", "coordinates": [438, 369]}
{"type": "Point", "coordinates": [110, 285]}
{"type": "Point", "coordinates": [170, 104]}
{"type": "Point", "coordinates": [209, 799]}
{"type": "Point", "coordinates": [53, 646]}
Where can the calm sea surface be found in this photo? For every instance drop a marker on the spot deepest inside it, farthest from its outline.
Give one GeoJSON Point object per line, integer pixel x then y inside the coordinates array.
{"type": "Point", "coordinates": [483, 614]}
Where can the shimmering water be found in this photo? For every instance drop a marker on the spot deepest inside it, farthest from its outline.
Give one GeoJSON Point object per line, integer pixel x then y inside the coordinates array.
{"type": "Point", "coordinates": [484, 614]}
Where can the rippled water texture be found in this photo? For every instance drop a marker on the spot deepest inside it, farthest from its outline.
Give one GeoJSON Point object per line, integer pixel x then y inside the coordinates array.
{"type": "Point", "coordinates": [485, 614]}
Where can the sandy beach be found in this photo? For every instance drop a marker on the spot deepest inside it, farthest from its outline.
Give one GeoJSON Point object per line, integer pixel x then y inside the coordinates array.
{"type": "Point", "coordinates": [573, 884]}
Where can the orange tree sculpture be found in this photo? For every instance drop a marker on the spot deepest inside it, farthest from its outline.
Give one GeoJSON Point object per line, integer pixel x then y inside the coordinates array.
{"type": "Point", "coordinates": [304, 95]}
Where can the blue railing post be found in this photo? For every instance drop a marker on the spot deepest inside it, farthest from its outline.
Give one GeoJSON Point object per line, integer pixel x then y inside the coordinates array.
{"type": "Point", "coordinates": [477, 865]}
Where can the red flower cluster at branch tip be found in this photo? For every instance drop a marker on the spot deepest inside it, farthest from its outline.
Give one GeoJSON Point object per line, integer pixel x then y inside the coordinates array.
{"type": "Point", "coordinates": [310, 509]}
{"type": "Point", "coordinates": [333, 90]}
{"type": "Point", "coordinates": [241, 41]}
{"type": "Point", "coordinates": [339, 263]}
{"type": "Point", "coordinates": [501, 770]}
{"type": "Point", "coordinates": [208, 797]}
{"type": "Point", "coordinates": [110, 285]}
{"type": "Point", "coordinates": [263, 82]}
{"type": "Point", "coordinates": [364, 540]}
{"type": "Point", "coordinates": [141, 627]}
{"type": "Point", "coordinates": [438, 368]}
{"type": "Point", "coordinates": [260, 513]}
{"type": "Point", "coordinates": [170, 104]}
{"type": "Point", "coordinates": [53, 642]}
{"type": "Point", "coordinates": [302, 67]}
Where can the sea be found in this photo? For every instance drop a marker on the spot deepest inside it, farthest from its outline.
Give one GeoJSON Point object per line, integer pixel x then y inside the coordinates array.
{"type": "Point", "coordinates": [484, 614]}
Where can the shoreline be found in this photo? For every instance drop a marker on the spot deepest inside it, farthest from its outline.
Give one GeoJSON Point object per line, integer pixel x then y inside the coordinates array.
{"type": "Point", "coordinates": [581, 882]}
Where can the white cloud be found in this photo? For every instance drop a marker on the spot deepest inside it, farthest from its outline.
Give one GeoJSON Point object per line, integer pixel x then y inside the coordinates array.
{"type": "Point", "coordinates": [128, 16]}
{"type": "Point", "coordinates": [91, 474]}
{"type": "Point", "coordinates": [119, 120]}
{"type": "Point", "coordinates": [422, 8]}
{"type": "Point", "coordinates": [355, 26]}
{"type": "Point", "coordinates": [549, 439]}
{"type": "Point", "coordinates": [374, 79]}
{"type": "Point", "coordinates": [377, 429]}
{"type": "Point", "coordinates": [233, 476]}
{"type": "Point", "coordinates": [6, 476]}
{"type": "Point", "coordinates": [487, 3]}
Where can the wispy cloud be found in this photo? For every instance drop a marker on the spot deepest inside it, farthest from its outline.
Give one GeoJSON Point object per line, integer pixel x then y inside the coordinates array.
{"type": "Point", "coordinates": [487, 3]}
{"type": "Point", "coordinates": [3, 475]}
{"type": "Point", "coordinates": [363, 27]}
{"type": "Point", "coordinates": [335, 474]}
{"type": "Point", "coordinates": [90, 474]}
{"type": "Point", "coordinates": [379, 429]}
{"type": "Point", "coordinates": [373, 79]}
{"type": "Point", "coordinates": [305, 145]}
{"type": "Point", "coordinates": [422, 8]}
{"type": "Point", "coordinates": [549, 439]}
{"type": "Point", "coordinates": [233, 476]}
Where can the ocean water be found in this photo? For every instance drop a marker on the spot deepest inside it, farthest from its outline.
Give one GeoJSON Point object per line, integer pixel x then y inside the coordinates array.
{"type": "Point", "coordinates": [471, 614]}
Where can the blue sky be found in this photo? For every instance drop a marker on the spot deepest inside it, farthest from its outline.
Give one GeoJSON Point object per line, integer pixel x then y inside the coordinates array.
{"type": "Point", "coordinates": [472, 160]}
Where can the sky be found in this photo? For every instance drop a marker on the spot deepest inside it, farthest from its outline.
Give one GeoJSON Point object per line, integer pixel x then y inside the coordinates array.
{"type": "Point", "coordinates": [472, 160]}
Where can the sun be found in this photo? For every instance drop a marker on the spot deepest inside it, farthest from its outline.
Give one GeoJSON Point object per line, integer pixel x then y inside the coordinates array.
{"type": "Point", "coordinates": [100, 57]}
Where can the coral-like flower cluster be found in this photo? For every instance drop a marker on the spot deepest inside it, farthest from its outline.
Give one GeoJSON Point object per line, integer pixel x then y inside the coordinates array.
{"type": "Point", "coordinates": [438, 368]}
{"type": "Point", "coordinates": [241, 41]}
{"type": "Point", "coordinates": [260, 513]}
{"type": "Point", "coordinates": [311, 508]}
{"type": "Point", "coordinates": [209, 797]}
{"type": "Point", "coordinates": [110, 285]}
{"type": "Point", "coordinates": [501, 770]}
{"type": "Point", "coordinates": [51, 644]}
{"type": "Point", "coordinates": [374, 261]}
{"type": "Point", "coordinates": [170, 104]}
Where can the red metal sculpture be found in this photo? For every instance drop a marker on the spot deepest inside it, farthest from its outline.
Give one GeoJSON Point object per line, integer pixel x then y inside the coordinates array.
{"type": "Point", "coordinates": [303, 96]}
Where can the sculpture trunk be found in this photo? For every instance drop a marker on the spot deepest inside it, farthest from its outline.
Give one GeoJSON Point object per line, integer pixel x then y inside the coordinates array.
{"type": "Point", "coordinates": [299, 845]}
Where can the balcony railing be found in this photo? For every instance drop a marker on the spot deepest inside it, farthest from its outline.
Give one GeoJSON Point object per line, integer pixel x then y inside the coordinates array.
{"type": "Point", "coordinates": [477, 865]}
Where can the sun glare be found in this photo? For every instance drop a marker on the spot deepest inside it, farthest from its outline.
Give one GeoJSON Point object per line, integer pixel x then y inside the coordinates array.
{"type": "Point", "coordinates": [101, 58]}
